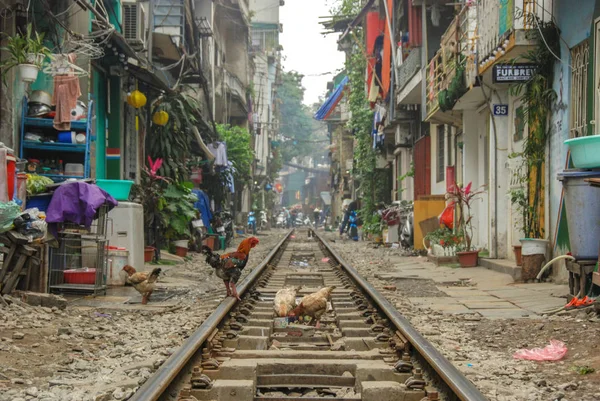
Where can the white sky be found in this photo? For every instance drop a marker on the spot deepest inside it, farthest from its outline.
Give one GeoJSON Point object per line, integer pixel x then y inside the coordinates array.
{"type": "Point", "coordinates": [305, 48]}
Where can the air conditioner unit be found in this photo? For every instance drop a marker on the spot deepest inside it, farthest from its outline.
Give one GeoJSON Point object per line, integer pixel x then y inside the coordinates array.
{"type": "Point", "coordinates": [134, 24]}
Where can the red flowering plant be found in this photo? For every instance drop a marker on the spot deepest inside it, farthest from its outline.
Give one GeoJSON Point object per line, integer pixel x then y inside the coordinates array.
{"type": "Point", "coordinates": [444, 237]}
{"type": "Point", "coordinates": [464, 198]}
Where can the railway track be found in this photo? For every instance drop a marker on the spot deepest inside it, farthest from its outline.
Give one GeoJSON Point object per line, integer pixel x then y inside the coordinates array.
{"type": "Point", "coordinates": [365, 349]}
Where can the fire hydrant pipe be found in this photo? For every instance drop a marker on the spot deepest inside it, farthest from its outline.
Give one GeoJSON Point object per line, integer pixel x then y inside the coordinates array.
{"type": "Point", "coordinates": [552, 262]}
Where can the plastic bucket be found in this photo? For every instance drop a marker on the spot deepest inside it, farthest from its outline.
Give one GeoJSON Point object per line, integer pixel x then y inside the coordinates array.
{"type": "Point", "coordinates": [533, 246]}
{"type": "Point", "coordinates": [585, 151]}
{"type": "Point", "coordinates": [118, 189]}
{"type": "Point", "coordinates": [582, 204]}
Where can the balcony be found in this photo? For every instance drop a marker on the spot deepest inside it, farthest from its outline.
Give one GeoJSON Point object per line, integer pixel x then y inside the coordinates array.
{"type": "Point", "coordinates": [452, 69]}
{"type": "Point", "coordinates": [502, 28]}
{"type": "Point", "coordinates": [237, 91]}
{"type": "Point", "coordinates": [410, 78]}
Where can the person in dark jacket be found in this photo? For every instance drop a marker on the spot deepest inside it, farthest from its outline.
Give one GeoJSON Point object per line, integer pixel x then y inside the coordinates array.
{"type": "Point", "coordinates": [352, 207]}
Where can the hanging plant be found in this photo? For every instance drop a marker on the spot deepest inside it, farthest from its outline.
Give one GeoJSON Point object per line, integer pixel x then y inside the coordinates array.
{"type": "Point", "coordinates": [538, 98]}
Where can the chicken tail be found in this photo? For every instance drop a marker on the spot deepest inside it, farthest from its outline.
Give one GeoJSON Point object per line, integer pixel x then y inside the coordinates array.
{"type": "Point", "coordinates": [154, 275]}
{"type": "Point", "coordinates": [206, 250]}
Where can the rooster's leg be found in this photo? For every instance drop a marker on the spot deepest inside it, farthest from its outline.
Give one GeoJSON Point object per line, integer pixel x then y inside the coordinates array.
{"type": "Point", "coordinates": [144, 299]}
{"type": "Point", "coordinates": [234, 291]}
{"type": "Point", "coordinates": [227, 286]}
{"type": "Point", "coordinates": [318, 325]}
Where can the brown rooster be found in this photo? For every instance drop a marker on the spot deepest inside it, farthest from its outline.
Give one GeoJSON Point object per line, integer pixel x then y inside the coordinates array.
{"type": "Point", "coordinates": [143, 282]}
{"type": "Point", "coordinates": [314, 305]}
{"type": "Point", "coordinates": [229, 267]}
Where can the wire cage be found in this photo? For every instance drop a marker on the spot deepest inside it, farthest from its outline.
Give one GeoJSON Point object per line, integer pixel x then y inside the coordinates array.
{"type": "Point", "coordinates": [79, 264]}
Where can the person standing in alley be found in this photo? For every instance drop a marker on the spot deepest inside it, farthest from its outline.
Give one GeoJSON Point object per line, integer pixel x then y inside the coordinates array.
{"type": "Point", "coordinates": [316, 216]}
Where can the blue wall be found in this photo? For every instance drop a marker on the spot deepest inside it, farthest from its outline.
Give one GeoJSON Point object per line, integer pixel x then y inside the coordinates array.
{"type": "Point", "coordinates": [575, 24]}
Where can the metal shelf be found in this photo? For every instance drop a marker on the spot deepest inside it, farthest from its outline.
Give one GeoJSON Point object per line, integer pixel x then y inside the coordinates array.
{"type": "Point", "coordinates": [58, 177]}
{"type": "Point", "coordinates": [80, 125]}
{"type": "Point", "coordinates": [55, 146]}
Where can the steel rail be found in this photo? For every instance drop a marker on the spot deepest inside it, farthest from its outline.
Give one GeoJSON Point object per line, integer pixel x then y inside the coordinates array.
{"type": "Point", "coordinates": [156, 385]}
{"type": "Point", "coordinates": [462, 387]}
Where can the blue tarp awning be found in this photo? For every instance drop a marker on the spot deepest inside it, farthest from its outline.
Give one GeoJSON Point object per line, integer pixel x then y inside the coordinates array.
{"type": "Point", "coordinates": [327, 108]}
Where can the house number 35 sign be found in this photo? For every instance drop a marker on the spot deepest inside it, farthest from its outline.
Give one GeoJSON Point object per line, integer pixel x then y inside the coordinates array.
{"type": "Point", "coordinates": [500, 109]}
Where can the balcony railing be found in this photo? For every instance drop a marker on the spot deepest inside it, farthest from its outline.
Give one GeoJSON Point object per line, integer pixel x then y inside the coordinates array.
{"type": "Point", "coordinates": [498, 19]}
{"type": "Point", "coordinates": [457, 50]}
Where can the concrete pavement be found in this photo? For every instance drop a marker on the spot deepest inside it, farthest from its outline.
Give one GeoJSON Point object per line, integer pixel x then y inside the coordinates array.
{"type": "Point", "coordinates": [477, 290]}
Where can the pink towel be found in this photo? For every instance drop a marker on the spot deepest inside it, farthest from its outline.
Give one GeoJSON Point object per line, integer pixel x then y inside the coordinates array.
{"type": "Point", "coordinates": [3, 177]}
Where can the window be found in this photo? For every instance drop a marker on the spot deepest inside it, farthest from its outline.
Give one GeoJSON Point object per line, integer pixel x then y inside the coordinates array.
{"type": "Point", "coordinates": [440, 152]}
{"type": "Point", "coordinates": [580, 56]}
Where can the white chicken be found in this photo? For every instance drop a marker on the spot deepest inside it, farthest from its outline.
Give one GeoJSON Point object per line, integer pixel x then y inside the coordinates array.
{"type": "Point", "coordinates": [285, 301]}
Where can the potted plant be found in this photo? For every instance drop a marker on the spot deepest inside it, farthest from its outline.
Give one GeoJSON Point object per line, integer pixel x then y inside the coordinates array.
{"type": "Point", "coordinates": [463, 198]}
{"type": "Point", "coordinates": [27, 53]}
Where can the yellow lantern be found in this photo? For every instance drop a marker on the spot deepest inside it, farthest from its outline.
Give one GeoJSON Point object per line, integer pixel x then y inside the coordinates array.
{"type": "Point", "coordinates": [137, 99]}
{"type": "Point", "coordinates": [160, 118]}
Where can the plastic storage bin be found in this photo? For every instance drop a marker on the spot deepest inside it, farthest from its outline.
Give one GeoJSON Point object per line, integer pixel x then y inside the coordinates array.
{"type": "Point", "coordinates": [118, 189]}
{"type": "Point", "coordinates": [74, 169]}
{"type": "Point", "coordinates": [585, 151]}
{"type": "Point", "coordinates": [80, 276]}
{"type": "Point", "coordinates": [40, 201]}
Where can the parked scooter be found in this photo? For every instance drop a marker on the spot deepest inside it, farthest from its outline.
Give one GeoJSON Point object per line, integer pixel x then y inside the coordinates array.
{"type": "Point", "coordinates": [280, 220]}
{"type": "Point", "coordinates": [252, 223]}
{"type": "Point", "coordinates": [222, 223]}
{"type": "Point", "coordinates": [264, 223]}
{"type": "Point", "coordinates": [407, 224]}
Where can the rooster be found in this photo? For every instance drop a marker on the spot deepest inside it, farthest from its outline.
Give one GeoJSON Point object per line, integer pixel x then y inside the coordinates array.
{"type": "Point", "coordinates": [229, 266]}
{"type": "Point", "coordinates": [285, 301]}
{"type": "Point", "coordinates": [313, 305]}
{"type": "Point", "coordinates": [143, 282]}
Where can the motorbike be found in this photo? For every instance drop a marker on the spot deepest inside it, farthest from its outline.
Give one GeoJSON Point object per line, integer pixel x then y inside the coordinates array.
{"type": "Point", "coordinates": [407, 224]}
{"type": "Point", "coordinates": [280, 220]}
{"type": "Point", "coordinates": [223, 225]}
{"type": "Point", "coordinates": [264, 223]}
{"type": "Point", "coordinates": [353, 226]}
{"type": "Point", "coordinates": [251, 223]}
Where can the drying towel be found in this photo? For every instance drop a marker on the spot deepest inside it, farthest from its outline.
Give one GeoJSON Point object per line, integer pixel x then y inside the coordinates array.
{"type": "Point", "coordinates": [77, 202]}
{"type": "Point", "coordinates": [66, 93]}
{"type": "Point", "coordinates": [3, 177]}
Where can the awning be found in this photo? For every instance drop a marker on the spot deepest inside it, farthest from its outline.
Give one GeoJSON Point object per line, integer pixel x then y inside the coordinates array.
{"type": "Point", "coordinates": [327, 108]}
{"type": "Point", "coordinates": [326, 196]}
{"type": "Point", "coordinates": [357, 20]}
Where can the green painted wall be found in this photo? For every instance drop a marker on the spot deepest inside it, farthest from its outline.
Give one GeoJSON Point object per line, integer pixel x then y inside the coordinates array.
{"type": "Point", "coordinates": [100, 97]}
{"type": "Point", "coordinates": [115, 133]}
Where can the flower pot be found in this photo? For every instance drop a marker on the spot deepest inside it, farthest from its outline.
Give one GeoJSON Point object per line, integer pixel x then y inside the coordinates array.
{"type": "Point", "coordinates": [28, 72]}
{"type": "Point", "coordinates": [517, 251]}
{"type": "Point", "coordinates": [148, 254]}
{"type": "Point", "coordinates": [467, 258]}
{"type": "Point", "coordinates": [35, 58]}
{"type": "Point", "coordinates": [181, 243]}
{"type": "Point", "coordinates": [534, 255]}
{"type": "Point", "coordinates": [181, 251]}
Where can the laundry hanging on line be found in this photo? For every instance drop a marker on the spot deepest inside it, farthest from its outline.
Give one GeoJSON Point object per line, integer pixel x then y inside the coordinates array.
{"type": "Point", "coordinates": [219, 151]}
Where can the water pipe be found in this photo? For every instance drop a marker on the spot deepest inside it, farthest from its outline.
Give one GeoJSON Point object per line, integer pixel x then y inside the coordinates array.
{"type": "Point", "coordinates": [551, 262]}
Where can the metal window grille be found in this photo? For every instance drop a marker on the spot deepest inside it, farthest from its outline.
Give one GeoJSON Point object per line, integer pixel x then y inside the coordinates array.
{"type": "Point", "coordinates": [580, 57]}
{"type": "Point", "coordinates": [440, 153]}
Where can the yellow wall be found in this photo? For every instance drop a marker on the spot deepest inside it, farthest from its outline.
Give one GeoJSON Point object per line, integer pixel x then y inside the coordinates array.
{"type": "Point", "coordinates": [427, 207]}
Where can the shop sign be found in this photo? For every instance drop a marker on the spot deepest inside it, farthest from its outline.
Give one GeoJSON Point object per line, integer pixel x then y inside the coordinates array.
{"type": "Point", "coordinates": [510, 73]}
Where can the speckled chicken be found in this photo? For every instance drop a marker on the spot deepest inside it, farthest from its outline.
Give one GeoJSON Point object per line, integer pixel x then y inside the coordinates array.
{"type": "Point", "coordinates": [143, 282]}
{"type": "Point", "coordinates": [314, 305]}
{"type": "Point", "coordinates": [285, 301]}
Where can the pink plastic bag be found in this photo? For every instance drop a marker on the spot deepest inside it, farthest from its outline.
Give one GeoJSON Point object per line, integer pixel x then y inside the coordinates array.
{"type": "Point", "coordinates": [553, 352]}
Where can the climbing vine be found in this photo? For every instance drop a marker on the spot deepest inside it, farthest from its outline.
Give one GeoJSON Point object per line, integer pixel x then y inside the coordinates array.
{"type": "Point", "coordinates": [538, 98]}
{"type": "Point", "coordinates": [360, 124]}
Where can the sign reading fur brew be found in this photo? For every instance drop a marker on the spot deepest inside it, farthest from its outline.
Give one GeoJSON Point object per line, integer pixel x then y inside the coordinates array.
{"type": "Point", "coordinates": [509, 73]}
